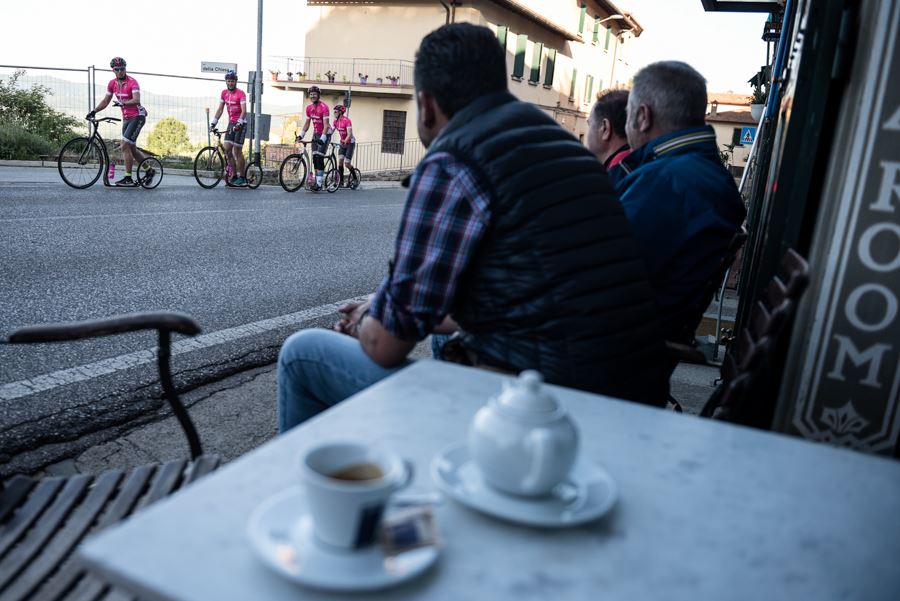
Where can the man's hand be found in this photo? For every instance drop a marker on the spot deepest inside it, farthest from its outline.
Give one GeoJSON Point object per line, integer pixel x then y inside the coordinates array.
{"type": "Point", "coordinates": [351, 316]}
{"type": "Point", "coordinates": [324, 138]}
{"type": "Point", "coordinates": [117, 103]}
{"type": "Point", "coordinates": [91, 115]}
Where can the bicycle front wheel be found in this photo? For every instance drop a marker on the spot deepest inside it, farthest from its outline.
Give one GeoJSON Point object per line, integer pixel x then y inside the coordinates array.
{"type": "Point", "coordinates": [80, 162]}
{"type": "Point", "coordinates": [253, 175]}
{"type": "Point", "coordinates": [209, 167]}
{"type": "Point", "coordinates": [355, 178]}
{"type": "Point", "coordinates": [332, 180]}
{"type": "Point", "coordinates": [292, 173]}
{"type": "Point", "coordinates": [150, 173]}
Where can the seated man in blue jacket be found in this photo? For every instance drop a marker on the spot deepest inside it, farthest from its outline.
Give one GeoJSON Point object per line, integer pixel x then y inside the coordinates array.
{"type": "Point", "coordinates": [681, 202]}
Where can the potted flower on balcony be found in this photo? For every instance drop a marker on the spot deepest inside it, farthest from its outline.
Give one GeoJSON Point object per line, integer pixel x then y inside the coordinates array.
{"type": "Point", "coordinates": [363, 78]}
{"type": "Point", "coordinates": [290, 76]}
{"type": "Point", "coordinates": [395, 79]}
{"type": "Point", "coordinates": [274, 73]}
{"type": "Point", "coordinates": [758, 101]}
{"type": "Point", "coordinates": [330, 75]}
{"type": "Point", "coordinates": [379, 81]}
{"type": "Point", "coordinates": [301, 75]}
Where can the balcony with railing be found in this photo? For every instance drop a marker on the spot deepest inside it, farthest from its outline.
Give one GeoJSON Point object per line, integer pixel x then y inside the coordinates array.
{"type": "Point", "coordinates": [364, 76]}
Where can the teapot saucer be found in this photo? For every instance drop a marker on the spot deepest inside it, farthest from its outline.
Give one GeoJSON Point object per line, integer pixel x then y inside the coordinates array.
{"type": "Point", "coordinates": [586, 495]}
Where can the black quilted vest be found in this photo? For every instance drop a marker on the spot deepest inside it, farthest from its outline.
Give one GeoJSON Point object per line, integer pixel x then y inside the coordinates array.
{"type": "Point", "coordinates": [558, 284]}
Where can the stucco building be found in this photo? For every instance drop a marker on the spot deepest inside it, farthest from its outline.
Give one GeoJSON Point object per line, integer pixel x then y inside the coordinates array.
{"type": "Point", "coordinates": [560, 53]}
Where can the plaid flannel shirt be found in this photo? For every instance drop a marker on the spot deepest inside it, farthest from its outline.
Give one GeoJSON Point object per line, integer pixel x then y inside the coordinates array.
{"type": "Point", "coordinates": [445, 216]}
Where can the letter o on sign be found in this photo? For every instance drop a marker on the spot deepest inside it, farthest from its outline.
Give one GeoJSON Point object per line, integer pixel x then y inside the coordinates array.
{"type": "Point", "coordinates": [853, 300]}
{"type": "Point", "coordinates": [865, 247]}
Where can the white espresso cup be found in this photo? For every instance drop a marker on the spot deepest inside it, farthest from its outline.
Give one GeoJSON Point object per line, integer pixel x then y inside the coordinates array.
{"type": "Point", "coordinates": [347, 488]}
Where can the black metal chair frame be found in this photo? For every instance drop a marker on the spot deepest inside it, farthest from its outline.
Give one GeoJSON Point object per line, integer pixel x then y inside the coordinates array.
{"type": "Point", "coordinates": [43, 520]}
{"type": "Point", "coordinates": [748, 362]}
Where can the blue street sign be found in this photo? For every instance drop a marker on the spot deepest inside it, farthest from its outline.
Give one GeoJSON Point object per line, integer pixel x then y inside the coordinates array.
{"type": "Point", "coordinates": [747, 135]}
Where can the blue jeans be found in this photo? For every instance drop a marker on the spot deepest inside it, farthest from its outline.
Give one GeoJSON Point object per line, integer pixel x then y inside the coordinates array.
{"type": "Point", "coordinates": [318, 369]}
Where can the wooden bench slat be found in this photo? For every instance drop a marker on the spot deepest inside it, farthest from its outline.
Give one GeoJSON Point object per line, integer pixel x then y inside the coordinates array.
{"type": "Point", "coordinates": [41, 569]}
{"type": "Point", "coordinates": [201, 466]}
{"type": "Point", "coordinates": [26, 515]}
{"type": "Point", "coordinates": [124, 504]}
{"type": "Point", "coordinates": [37, 537]}
{"type": "Point", "coordinates": [13, 494]}
{"type": "Point", "coordinates": [168, 477]}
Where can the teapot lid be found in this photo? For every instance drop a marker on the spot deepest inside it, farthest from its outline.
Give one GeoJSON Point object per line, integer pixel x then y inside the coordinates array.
{"type": "Point", "coordinates": [526, 394]}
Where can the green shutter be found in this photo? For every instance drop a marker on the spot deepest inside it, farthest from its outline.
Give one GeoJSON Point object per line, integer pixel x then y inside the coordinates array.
{"type": "Point", "coordinates": [596, 29]}
{"type": "Point", "coordinates": [501, 35]}
{"type": "Point", "coordinates": [551, 65]}
{"type": "Point", "coordinates": [608, 35]}
{"type": "Point", "coordinates": [519, 64]}
{"type": "Point", "coordinates": [536, 57]}
{"type": "Point", "coordinates": [588, 88]}
{"type": "Point", "coordinates": [581, 18]}
{"type": "Point", "coordinates": [574, 81]}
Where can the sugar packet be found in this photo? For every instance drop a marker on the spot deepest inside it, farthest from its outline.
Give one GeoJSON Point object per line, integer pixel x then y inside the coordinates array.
{"type": "Point", "coordinates": [409, 528]}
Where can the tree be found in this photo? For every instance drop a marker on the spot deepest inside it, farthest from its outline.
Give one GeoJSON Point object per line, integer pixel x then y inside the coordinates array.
{"type": "Point", "coordinates": [28, 111]}
{"type": "Point", "coordinates": [168, 137]}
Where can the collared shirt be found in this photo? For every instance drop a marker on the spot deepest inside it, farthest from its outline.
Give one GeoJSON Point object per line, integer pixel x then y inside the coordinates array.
{"type": "Point", "coordinates": [683, 207]}
{"type": "Point", "coordinates": [445, 216]}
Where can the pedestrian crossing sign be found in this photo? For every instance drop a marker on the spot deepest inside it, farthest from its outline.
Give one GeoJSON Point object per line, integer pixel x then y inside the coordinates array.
{"type": "Point", "coordinates": [747, 135]}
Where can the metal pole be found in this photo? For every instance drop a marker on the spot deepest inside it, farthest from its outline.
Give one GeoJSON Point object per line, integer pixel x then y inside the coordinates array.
{"type": "Point", "coordinates": [258, 83]}
{"type": "Point", "coordinates": [208, 138]}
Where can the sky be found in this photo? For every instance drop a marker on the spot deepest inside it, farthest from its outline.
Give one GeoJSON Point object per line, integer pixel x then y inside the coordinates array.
{"type": "Point", "coordinates": [174, 36]}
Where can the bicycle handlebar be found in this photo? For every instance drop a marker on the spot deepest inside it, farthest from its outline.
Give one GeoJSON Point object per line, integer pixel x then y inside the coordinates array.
{"type": "Point", "coordinates": [110, 119]}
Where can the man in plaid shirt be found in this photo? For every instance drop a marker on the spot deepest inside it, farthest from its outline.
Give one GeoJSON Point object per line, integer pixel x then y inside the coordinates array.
{"type": "Point", "coordinates": [463, 230]}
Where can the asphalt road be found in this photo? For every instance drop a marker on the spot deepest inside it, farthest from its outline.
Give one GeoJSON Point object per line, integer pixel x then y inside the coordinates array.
{"type": "Point", "coordinates": [251, 266]}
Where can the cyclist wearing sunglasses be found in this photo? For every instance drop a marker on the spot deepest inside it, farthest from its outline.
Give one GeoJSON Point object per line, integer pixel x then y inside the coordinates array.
{"type": "Point", "coordinates": [236, 101]}
{"type": "Point", "coordinates": [317, 113]}
{"type": "Point", "coordinates": [128, 97]}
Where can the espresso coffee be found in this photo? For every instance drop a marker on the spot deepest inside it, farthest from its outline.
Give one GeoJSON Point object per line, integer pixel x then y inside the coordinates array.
{"type": "Point", "coordinates": [358, 472]}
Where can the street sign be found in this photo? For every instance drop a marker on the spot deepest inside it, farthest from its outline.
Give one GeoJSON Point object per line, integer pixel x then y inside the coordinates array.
{"type": "Point", "coordinates": [211, 67]}
{"type": "Point", "coordinates": [747, 135]}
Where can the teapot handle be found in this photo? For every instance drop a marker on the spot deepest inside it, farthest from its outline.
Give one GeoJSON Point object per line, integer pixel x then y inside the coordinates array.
{"type": "Point", "coordinates": [541, 447]}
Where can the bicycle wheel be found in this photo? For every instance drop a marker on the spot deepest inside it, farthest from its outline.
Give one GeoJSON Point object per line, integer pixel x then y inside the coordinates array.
{"type": "Point", "coordinates": [332, 180]}
{"type": "Point", "coordinates": [150, 173]}
{"type": "Point", "coordinates": [355, 178]}
{"type": "Point", "coordinates": [292, 173]}
{"type": "Point", "coordinates": [209, 167]}
{"type": "Point", "coordinates": [80, 162]}
{"type": "Point", "coordinates": [253, 175]}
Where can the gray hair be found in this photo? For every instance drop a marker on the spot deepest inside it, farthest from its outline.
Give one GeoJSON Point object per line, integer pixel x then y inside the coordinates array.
{"type": "Point", "coordinates": [674, 91]}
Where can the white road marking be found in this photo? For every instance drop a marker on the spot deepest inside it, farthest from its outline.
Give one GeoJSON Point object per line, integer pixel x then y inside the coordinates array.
{"type": "Point", "coordinates": [82, 373]}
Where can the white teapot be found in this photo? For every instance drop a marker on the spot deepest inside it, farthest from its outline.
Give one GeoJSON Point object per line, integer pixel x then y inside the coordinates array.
{"type": "Point", "coordinates": [523, 441]}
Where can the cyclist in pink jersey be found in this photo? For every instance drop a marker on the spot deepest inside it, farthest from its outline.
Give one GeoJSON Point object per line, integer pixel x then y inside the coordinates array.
{"type": "Point", "coordinates": [127, 94]}
{"type": "Point", "coordinates": [235, 101]}
{"type": "Point", "coordinates": [344, 127]}
{"type": "Point", "coordinates": [317, 113]}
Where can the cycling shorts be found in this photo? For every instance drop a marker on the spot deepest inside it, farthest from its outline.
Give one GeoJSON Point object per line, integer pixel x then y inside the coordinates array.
{"type": "Point", "coordinates": [235, 137]}
{"type": "Point", "coordinates": [346, 150]}
{"type": "Point", "coordinates": [131, 128]}
{"type": "Point", "coordinates": [318, 146]}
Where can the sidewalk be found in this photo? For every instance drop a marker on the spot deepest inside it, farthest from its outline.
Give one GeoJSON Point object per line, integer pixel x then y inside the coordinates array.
{"type": "Point", "coordinates": [237, 414]}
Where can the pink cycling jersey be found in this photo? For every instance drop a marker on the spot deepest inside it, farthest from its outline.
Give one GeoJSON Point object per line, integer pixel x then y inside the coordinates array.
{"type": "Point", "coordinates": [123, 92]}
{"type": "Point", "coordinates": [341, 124]}
{"type": "Point", "coordinates": [317, 111]}
{"type": "Point", "coordinates": [233, 100]}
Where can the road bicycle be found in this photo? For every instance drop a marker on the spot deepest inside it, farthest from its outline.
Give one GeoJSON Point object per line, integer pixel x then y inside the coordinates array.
{"type": "Point", "coordinates": [294, 172]}
{"type": "Point", "coordinates": [210, 167]}
{"type": "Point", "coordinates": [83, 160]}
{"type": "Point", "coordinates": [353, 175]}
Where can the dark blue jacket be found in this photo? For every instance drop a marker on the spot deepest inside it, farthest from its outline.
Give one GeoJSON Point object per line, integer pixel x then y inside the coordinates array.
{"type": "Point", "coordinates": [683, 207]}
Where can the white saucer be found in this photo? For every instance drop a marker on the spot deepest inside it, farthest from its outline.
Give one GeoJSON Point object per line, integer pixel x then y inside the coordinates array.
{"type": "Point", "coordinates": [588, 493]}
{"type": "Point", "coordinates": [280, 531]}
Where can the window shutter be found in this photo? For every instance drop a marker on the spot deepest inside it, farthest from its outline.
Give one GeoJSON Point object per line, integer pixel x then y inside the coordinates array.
{"type": "Point", "coordinates": [519, 64]}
